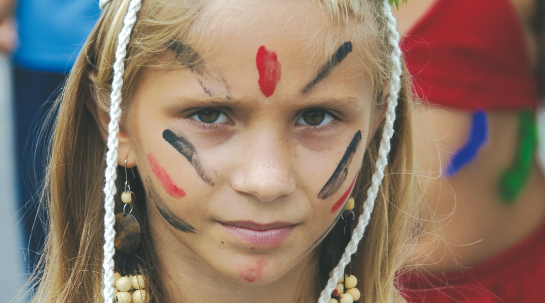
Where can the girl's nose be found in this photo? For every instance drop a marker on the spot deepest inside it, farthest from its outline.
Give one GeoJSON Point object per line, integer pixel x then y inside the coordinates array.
{"type": "Point", "coordinates": [265, 171]}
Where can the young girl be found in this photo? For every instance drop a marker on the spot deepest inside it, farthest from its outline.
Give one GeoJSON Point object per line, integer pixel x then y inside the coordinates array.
{"type": "Point", "coordinates": [236, 132]}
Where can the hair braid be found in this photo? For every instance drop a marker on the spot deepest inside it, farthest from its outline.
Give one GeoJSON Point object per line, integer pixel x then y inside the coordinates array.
{"type": "Point", "coordinates": [111, 156]}
{"type": "Point", "coordinates": [382, 161]}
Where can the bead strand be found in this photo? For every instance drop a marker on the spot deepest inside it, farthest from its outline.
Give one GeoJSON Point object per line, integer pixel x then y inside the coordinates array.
{"type": "Point", "coordinates": [346, 291]}
{"type": "Point", "coordinates": [129, 288]}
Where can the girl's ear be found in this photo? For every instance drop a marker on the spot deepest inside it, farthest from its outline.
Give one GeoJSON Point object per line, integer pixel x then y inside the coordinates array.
{"type": "Point", "coordinates": [125, 150]}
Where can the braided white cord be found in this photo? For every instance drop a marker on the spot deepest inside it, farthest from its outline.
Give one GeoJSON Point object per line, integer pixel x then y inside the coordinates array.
{"type": "Point", "coordinates": [111, 156]}
{"type": "Point", "coordinates": [382, 161]}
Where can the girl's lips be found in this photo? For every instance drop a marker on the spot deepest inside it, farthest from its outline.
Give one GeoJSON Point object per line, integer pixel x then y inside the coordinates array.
{"type": "Point", "coordinates": [259, 234]}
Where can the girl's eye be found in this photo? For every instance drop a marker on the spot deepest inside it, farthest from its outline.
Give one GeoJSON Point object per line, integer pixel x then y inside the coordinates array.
{"type": "Point", "coordinates": [315, 118]}
{"type": "Point", "coordinates": [210, 116]}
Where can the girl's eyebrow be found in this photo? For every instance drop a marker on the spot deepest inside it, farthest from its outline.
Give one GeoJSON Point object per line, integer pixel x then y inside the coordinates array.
{"type": "Point", "coordinates": [335, 59]}
{"type": "Point", "coordinates": [342, 103]}
{"type": "Point", "coordinates": [187, 56]}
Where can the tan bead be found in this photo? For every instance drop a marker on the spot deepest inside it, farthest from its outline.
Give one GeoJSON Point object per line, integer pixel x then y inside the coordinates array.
{"type": "Point", "coordinates": [333, 300]}
{"type": "Point", "coordinates": [116, 276]}
{"type": "Point", "coordinates": [355, 293]}
{"type": "Point", "coordinates": [346, 298]}
{"type": "Point", "coordinates": [138, 282]}
{"type": "Point", "coordinates": [123, 297]}
{"type": "Point", "coordinates": [350, 204]}
{"type": "Point", "coordinates": [126, 196]}
{"type": "Point", "coordinates": [338, 290]}
{"type": "Point", "coordinates": [123, 284]}
{"type": "Point", "coordinates": [351, 281]}
{"type": "Point", "coordinates": [139, 296]}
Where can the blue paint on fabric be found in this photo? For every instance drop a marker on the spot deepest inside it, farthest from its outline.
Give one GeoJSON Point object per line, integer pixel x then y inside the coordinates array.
{"type": "Point", "coordinates": [478, 136]}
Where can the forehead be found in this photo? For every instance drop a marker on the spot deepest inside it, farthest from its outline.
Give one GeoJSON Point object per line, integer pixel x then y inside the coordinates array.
{"type": "Point", "coordinates": [300, 31]}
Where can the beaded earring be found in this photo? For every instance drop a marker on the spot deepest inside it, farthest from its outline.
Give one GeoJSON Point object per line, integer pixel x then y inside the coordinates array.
{"type": "Point", "coordinates": [129, 288]}
{"type": "Point", "coordinates": [127, 228]}
{"type": "Point", "coordinates": [346, 291]}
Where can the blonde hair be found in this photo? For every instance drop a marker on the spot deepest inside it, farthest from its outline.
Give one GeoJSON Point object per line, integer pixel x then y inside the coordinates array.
{"type": "Point", "coordinates": [72, 261]}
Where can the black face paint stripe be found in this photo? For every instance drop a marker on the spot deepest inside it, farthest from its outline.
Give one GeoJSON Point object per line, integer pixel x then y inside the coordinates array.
{"type": "Point", "coordinates": [187, 149]}
{"type": "Point", "coordinates": [187, 56]}
{"type": "Point", "coordinates": [339, 175]}
{"type": "Point", "coordinates": [168, 215]}
{"type": "Point", "coordinates": [206, 89]}
{"type": "Point", "coordinates": [336, 58]}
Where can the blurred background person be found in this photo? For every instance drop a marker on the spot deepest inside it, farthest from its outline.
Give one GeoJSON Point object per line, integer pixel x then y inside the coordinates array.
{"type": "Point", "coordinates": [44, 43]}
{"type": "Point", "coordinates": [478, 68]}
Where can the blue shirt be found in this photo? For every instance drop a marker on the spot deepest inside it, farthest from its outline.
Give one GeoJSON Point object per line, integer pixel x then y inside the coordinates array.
{"type": "Point", "coordinates": [52, 32]}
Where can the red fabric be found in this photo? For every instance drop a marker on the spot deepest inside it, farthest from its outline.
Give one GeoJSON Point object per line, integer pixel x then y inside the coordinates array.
{"type": "Point", "coordinates": [516, 275]}
{"type": "Point", "coordinates": [471, 54]}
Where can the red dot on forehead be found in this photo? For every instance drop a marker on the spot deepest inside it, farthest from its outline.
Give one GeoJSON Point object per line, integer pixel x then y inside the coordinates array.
{"type": "Point", "coordinates": [269, 70]}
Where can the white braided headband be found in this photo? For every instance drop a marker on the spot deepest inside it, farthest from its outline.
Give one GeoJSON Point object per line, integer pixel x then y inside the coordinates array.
{"type": "Point", "coordinates": [111, 156]}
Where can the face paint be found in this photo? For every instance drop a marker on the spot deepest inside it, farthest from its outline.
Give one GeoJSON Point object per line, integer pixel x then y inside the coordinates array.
{"type": "Point", "coordinates": [165, 179]}
{"type": "Point", "coordinates": [252, 272]}
{"type": "Point", "coordinates": [339, 175]}
{"type": "Point", "coordinates": [168, 215]}
{"type": "Point", "coordinates": [478, 135]}
{"type": "Point", "coordinates": [515, 177]}
{"type": "Point", "coordinates": [187, 56]}
{"type": "Point", "coordinates": [187, 149]}
{"type": "Point", "coordinates": [269, 70]}
{"type": "Point", "coordinates": [343, 198]}
{"type": "Point", "coordinates": [337, 58]}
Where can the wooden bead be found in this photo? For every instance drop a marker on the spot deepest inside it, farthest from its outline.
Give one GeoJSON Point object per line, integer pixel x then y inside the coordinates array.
{"type": "Point", "coordinates": [123, 297]}
{"type": "Point", "coordinates": [350, 204]}
{"type": "Point", "coordinates": [333, 300]}
{"type": "Point", "coordinates": [138, 282]}
{"type": "Point", "coordinates": [123, 284]}
{"type": "Point", "coordinates": [355, 293]}
{"type": "Point", "coordinates": [338, 290]}
{"type": "Point", "coordinates": [346, 298]}
{"type": "Point", "coordinates": [126, 196]}
{"type": "Point", "coordinates": [139, 296]}
{"type": "Point", "coordinates": [351, 281]}
{"type": "Point", "coordinates": [116, 276]}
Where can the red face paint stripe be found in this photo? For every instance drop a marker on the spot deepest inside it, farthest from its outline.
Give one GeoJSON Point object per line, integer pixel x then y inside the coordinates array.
{"type": "Point", "coordinates": [269, 70]}
{"type": "Point", "coordinates": [165, 179]}
{"type": "Point", "coordinates": [343, 198]}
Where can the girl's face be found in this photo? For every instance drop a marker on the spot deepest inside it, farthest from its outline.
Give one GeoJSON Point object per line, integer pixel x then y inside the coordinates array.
{"type": "Point", "coordinates": [249, 154]}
